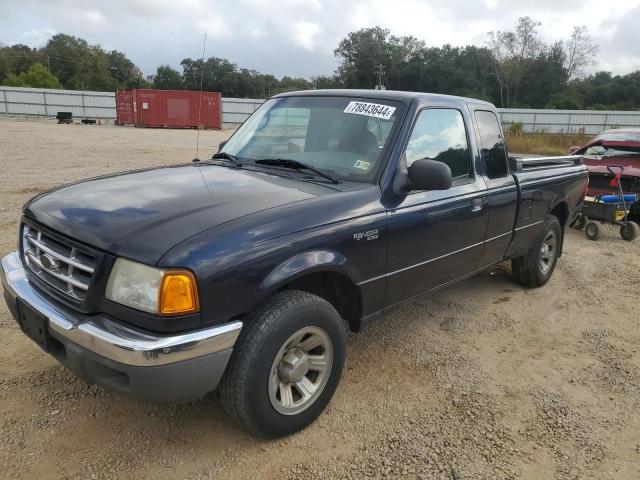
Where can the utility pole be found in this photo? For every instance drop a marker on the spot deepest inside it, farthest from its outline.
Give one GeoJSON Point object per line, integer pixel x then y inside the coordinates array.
{"type": "Point", "coordinates": [379, 86]}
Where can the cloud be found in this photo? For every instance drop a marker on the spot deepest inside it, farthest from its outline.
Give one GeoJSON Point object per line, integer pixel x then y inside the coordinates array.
{"type": "Point", "coordinates": [297, 37]}
{"type": "Point", "coordinates": [619, 51]}
{"type": "Point", "coordinates": [37, 35]}
{"type": "Point", "coordinates": [94, 18]}
{"type": "Point", "coordinates": [215, 27]}
{"type": "Point", "coordinates": [304, 34]}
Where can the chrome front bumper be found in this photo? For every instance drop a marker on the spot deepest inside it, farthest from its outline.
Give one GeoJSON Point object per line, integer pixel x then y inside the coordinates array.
{"type": "Point", "coordinates": [188, 364]}
{"type": "Point", "coordinates": [112, 340]}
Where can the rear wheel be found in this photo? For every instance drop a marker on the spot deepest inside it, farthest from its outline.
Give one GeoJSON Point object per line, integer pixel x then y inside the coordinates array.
{"type": "Point", "coordinates": [286, 364]}
{"type": "Point", "coordinates": [629, 231]}
{"type": "Point", "coordinates": [592, 230]}
{"type": "Point", "coordinates": [536, 267]}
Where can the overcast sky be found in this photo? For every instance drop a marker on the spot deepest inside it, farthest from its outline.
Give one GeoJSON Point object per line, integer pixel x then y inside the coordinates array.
{"type": "Point", "coordinates": [297, 37]}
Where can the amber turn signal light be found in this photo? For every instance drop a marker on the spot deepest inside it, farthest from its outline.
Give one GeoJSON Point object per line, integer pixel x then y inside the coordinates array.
{"type": "Point", "coordinates": [178, 293]}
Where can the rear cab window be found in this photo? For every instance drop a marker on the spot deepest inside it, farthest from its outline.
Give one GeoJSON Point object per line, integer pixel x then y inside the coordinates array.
{"type": "Point", "coordinates": [494, 153]}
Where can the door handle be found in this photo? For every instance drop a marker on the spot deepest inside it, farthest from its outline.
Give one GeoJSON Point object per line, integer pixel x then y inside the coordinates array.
{"type": "Point", "coordinates": [477, 204]}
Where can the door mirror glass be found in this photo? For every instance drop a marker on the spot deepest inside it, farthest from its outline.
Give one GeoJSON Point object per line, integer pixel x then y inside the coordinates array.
{"type": "Point", "coordinates": [429, 175]}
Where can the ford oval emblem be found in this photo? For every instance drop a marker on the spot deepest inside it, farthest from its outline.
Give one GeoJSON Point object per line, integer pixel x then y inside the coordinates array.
{"type": "Point", "coordinates": [48, 261]}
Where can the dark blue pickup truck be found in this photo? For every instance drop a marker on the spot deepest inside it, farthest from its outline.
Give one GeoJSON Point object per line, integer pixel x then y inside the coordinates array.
{"type": "Point", "coordinates": [247, 270]}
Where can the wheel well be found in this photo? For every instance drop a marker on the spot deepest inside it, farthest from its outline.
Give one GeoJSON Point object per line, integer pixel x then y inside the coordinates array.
{"type": "Point", "coordinates": [336, 289]}
{"type": "Point", "coordinates": [561, 212]}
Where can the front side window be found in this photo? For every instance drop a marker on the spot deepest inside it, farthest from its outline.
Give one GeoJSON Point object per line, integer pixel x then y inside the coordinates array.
{"type": "Point", "coordinates": [339, 135]}
{"type": "Point", "coordinates": [439, 134]}
{"type": "Point", "coordinates": [494, 152]}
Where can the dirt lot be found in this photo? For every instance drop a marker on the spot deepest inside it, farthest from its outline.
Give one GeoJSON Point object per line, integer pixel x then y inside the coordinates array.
{"type": "Point", "coordinates": [482, 380]}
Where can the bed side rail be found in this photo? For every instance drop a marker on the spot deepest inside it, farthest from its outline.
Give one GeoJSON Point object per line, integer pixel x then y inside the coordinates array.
{"type": "Point", "coordinates": [518, 164]}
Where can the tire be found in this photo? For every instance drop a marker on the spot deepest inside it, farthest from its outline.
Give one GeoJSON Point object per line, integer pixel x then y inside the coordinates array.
{"type": "Point", "coordinates": [592, 230]}
{"type": "Point", "coordinates": [260, 387]}
{"type": "Point", "coordinates": [629, 231]}
{"type": "Point", "coordinates": [536, 267]}
{"type": "Point", "coordinates": [580, 222]}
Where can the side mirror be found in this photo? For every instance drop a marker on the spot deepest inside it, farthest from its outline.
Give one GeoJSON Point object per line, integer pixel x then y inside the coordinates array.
{"type": "Point", "coordinates": [573, 149]}
{"type": "Point", "coordinates": [429, 175]}
{"type": "Point", "coordinates": [221, 145]}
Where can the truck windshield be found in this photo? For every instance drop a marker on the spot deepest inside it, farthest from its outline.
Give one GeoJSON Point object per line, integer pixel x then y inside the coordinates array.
{"type": "Point", "coordinates": [341, 136]}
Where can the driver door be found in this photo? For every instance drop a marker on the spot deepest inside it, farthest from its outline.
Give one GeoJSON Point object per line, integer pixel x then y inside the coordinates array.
{"type": "Point", "coordinates": [437, 236]}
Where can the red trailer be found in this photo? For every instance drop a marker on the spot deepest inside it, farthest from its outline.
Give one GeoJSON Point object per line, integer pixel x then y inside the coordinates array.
{"type": "Point", "coordinates": [169, 108]}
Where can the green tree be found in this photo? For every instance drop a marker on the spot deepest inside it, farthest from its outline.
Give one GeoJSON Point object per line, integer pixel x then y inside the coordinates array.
{"type": "Point", "coordinates": [362, 53]}
{"type": "Point", "coordinates": [66, 55]}
{"type": "Point", "coordinates": [5, 65]}
{"type": "Point", "coordinates": [512, 52]}
{"type": "Point", "coordinates": [167, 78]}
{"type": "Point", "coordinates": [579, 52]}
{"type": "Point", "coordinates": [92, 72]}
{"type": "Point", "coordinates": [544, 77]}
{"type": "Point", "coordinates": [326, 81]}
{"type": "Point", "coordinates": [36, 77]}
{"type": "Point", "coordinates": [124, 71]}
{"type": "Point", "coordinates": [21, 57]}
{"type": "Point", "coordinates": [462, 71]}
{"type": "Point", "coordinates": [289, 84]}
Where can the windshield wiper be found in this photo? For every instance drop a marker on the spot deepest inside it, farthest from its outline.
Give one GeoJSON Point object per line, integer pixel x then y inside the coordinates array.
{"type": "Point", "coordinates": [296, 165]}
{"type": "Point", "coordinates": [227, 156]}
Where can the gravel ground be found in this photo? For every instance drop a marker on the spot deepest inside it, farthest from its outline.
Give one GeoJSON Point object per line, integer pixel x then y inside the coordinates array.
{"type": "Point", "coordinates": [482, 380]}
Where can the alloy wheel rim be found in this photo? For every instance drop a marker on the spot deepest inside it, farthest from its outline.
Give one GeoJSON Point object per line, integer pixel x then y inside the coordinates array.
{"type": "Point", "coordinates": [548, 252]}
{"type": "Point", "coordinates": [300, 370]}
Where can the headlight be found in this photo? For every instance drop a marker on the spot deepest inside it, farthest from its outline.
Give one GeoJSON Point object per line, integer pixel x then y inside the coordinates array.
{"type": "Point", "coordinates": [155, 290]}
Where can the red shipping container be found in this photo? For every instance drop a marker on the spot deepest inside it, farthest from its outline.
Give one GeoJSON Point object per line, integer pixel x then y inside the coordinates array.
{"type": "Point", "coordinates": [169, 108]}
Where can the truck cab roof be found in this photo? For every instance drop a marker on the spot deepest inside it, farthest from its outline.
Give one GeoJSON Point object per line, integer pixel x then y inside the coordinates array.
{"type": "Point", "coordinates": [397, 95]}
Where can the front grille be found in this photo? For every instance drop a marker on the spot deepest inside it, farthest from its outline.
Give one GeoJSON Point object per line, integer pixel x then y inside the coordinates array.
{"type": "Point", "coordinates": [64, 267]}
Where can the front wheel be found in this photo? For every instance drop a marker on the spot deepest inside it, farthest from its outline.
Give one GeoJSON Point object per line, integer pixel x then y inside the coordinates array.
{"type": "Point", "coordinates": [286, 364]}
{"type": "Point", "coordinates": [536, 267]}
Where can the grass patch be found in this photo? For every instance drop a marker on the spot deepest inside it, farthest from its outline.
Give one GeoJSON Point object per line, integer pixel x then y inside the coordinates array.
{"type": "Point", "coordinates": [543, 143]}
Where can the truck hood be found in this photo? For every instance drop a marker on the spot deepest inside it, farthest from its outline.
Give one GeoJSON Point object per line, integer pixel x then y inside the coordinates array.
{"type": "Point", "coordinates": [140, 215]}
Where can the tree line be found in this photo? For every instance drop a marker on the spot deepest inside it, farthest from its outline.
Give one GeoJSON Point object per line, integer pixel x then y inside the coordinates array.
{"type": "Point", "coordinates": [515, 68]}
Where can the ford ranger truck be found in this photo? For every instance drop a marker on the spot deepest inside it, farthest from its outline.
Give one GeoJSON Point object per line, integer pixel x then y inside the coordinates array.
{"type": "Point", "coordinates": [246, 271]}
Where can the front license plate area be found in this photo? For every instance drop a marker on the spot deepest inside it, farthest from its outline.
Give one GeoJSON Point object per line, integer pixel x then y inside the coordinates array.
{"type": "Point", "coordinates": [33, 325]}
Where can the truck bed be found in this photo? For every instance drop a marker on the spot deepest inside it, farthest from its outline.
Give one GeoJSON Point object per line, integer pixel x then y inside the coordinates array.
{"type": "Point", "coordinates": [543, 181]}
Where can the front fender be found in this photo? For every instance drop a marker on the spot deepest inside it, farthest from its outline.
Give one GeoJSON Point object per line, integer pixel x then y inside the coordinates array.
{"type": "Point", "coordinates": [305, 263]}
